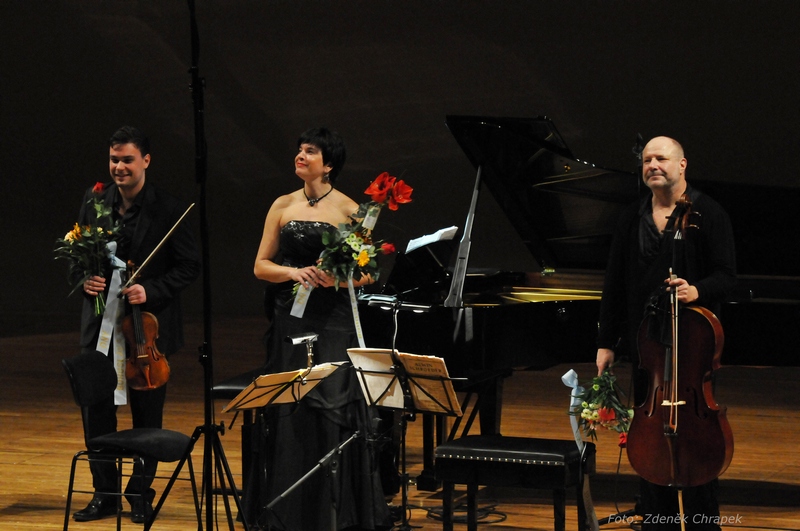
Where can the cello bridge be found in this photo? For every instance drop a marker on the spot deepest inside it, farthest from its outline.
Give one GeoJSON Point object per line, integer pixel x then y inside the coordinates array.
{"type": "Point", "coordinates": [678, 403]}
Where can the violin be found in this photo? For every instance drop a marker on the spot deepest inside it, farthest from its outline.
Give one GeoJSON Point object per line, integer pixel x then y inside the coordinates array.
{"type": "Point", "coordinates": [146, 368]}
{"type": "Point", "coordinates": [679, 435]}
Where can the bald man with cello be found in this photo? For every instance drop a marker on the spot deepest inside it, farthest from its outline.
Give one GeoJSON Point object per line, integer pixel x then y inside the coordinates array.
{"type": "Point", "coordinates": [671, 265]}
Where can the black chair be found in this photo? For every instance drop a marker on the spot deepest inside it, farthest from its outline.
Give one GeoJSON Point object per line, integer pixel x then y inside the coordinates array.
{"type": "Point", "coordinates": [93, 379]}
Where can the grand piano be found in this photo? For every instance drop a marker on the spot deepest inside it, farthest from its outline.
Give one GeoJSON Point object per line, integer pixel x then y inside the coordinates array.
{"type": "Point", "coordinates": [487, 322]}
{"type": "Point", "coordinates": [564, 211]}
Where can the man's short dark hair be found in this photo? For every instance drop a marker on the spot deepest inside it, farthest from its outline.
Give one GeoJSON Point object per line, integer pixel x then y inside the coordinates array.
{"type": "Point", "coordinates": [331, 145]}
{"type": "Point", "coordinates": [130, 135]}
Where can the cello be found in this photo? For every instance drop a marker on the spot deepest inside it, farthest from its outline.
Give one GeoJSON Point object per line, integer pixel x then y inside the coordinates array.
{"type": "Point", "coordinates": [146, 368]}
{"type": "Point", "coordinates": [679, 436]}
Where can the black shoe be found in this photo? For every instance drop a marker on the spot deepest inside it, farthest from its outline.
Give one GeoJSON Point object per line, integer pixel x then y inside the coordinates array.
{"type": "Point", "coordinates": [99, 507]}
{"type": "Point", "coordinates": [141, 511]}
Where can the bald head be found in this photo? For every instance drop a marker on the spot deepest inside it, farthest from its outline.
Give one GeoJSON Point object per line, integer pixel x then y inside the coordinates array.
{"type": "Point", "coordinates": [666, 142]}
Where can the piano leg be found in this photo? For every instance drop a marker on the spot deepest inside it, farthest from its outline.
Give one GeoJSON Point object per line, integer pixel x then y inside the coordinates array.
{"type": "Point", "coordinates": [490, 403]}
{"type": "Point", "coordinates": [431, 427]}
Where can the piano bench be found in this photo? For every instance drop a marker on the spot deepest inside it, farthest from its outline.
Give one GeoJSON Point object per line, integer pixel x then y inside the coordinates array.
{"type": "Point", "coordinates": [499, 461]}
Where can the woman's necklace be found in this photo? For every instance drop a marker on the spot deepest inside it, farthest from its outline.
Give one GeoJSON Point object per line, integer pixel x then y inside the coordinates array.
{"type": "Point", "coordinates": [314, 200]}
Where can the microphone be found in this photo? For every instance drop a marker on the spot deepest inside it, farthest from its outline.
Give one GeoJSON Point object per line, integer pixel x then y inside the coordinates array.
{"type": "Point", "coordinates": [389, 302]}
{"type": "Point", "coordinates": [299, 339]}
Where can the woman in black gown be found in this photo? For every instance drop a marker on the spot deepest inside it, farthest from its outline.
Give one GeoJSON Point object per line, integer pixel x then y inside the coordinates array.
{"type": "Point", "coordinates": [299, 435]}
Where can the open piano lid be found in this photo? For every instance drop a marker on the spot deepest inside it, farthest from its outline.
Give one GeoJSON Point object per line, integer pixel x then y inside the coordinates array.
{"type": "Point", "coordinates": [564, 209]}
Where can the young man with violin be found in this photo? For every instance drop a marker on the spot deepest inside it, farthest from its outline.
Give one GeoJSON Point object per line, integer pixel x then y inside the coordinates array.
{"type": "Point", "coordinates": [645, 265]}
{"type": "Point", "coordinates": [146, 215]}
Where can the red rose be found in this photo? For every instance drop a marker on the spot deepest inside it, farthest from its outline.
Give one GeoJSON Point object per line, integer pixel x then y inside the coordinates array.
{"type": "Point", "coordinates": [98, 188]}
{"type": "Point", "coordinates": [380, 187]}
{"type": "Point", "coordinates": [387, 248]}
{"type": "Point", "coordinates": [623, 439]}
{"type": "Point", "coordinates": [401, 193]}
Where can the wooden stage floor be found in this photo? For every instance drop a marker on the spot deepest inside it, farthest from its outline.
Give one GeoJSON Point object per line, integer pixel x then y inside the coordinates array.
{"type": "Point", "coordinates": [41, 432]}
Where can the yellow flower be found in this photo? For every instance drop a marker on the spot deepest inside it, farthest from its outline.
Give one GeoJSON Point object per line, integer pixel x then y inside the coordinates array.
{"type": "Point", "coordinates": [363, 258]}
{"type": "Point", "coordinates": [73, 235]}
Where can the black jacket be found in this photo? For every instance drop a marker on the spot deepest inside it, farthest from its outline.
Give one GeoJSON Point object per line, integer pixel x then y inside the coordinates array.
{"type": "Point", "coordinates": [169, 271]}
{"type": "Point", "coordinates": [708, 262]}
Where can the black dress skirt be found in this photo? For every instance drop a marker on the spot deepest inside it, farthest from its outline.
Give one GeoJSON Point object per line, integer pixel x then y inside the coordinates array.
{"type": "Point", "coordinates": [297, 436]}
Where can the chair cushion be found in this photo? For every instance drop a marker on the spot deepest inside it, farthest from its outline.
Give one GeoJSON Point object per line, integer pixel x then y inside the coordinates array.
{"type": "Point", "coordinates": [163, 445]}
{"type": "Point", "coordinates": [502, 461]}
{"type": "Point", "coordinates": [523, 450]}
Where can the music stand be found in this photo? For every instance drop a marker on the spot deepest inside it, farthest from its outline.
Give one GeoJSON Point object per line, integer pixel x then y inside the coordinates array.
{"type": "Point", "coordinates": [287, 388]}
{"type": "Point", "coordinates": [407, 382]}
{"type": "Point", "coordinates": [281, 387]}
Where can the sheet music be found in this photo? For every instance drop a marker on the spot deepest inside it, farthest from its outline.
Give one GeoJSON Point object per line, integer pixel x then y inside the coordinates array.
{"type": "Point", "coordinates": [440, 235]}
{"type": "Point", "coordinates": [380, 386]}
{"type": "Point", "coordinates": [429, 382]}
{"type": "Point", "coordinates": [281, 387]}
{"type": "Point", "coordinates": [432, 388]}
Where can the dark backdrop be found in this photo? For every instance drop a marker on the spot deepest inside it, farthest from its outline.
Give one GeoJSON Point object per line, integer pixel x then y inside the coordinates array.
{"type": "Point", "coordinates": [720, 76]}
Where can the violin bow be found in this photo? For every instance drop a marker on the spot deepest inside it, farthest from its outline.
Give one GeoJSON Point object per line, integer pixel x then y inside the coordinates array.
{"type": "Point", "coordinates": [160, 244]}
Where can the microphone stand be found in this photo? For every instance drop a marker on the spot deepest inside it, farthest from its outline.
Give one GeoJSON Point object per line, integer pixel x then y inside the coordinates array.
{"type": "Point", "coordinates": [405, 415]}
{"type": "Point", "coordinates": [408, 401]}
{"type": "Point", "coordinates": [212, 450]}
{"type": "Point", "coordinates": [330, 462]}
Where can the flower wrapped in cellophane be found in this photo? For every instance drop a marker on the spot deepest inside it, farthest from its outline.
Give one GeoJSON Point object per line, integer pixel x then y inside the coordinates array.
{"type": "Point", "coordinates": [599, 407]}
{"type": "Point", "coordinates": [86, 247]}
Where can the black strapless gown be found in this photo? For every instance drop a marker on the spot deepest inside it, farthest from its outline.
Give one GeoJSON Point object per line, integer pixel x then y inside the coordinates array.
{"type": "Point", "coordinates": [301, 434]}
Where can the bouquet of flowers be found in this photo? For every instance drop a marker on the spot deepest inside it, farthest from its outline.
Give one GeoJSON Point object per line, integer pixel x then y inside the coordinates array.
{"type": "Point", "coordinates": [351, 251]}
{"type": "Point", "coordinates": [600, 407]}
{"type": "Point", "coordinates": [85, 247]}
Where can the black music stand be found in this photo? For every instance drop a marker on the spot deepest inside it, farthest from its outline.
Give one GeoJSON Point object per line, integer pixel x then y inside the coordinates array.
{"type": "Point", "coordinates": [281, 387]}
{"type": "Point", "coordinates": [407, 382]}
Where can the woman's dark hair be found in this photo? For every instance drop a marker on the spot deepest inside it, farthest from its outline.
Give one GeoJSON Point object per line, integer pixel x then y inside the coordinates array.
{"type": "Point", "coordinates": [331, 145]}
{"type": "Point", "coordinates": [130, 135]}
